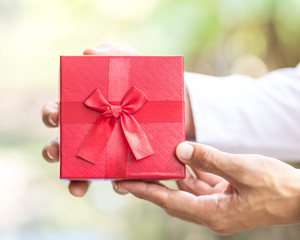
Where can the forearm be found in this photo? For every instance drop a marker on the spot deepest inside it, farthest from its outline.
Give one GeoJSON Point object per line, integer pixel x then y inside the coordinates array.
{"type": "Point", "coordinates": [241, 115]}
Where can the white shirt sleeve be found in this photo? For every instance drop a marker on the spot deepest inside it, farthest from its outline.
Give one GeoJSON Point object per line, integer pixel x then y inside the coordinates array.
{"type": "Point", "coordinates": [239, 114]}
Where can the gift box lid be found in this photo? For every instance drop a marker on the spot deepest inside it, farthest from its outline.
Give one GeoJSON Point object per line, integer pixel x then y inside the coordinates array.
{"type": "Point", "coordinates": [161, 118]}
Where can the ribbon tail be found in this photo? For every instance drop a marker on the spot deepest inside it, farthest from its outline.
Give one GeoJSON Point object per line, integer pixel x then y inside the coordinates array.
{"type": "Point", "coordinates": [96, 140]}
{"type": "Point", "coordinates": [136, 137]}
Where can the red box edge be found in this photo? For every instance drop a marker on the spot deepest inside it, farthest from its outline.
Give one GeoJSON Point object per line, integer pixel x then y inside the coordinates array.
{"type": "Point", "coordinates": [130, 178]}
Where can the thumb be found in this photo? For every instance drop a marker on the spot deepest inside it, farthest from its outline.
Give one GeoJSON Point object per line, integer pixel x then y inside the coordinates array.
{"type": "Point", "coordinates": [209, 159]}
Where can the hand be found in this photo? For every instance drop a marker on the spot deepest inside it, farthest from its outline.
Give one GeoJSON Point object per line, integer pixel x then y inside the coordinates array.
{"type": "Point", "coordinates": [50, 114]}
{"type": "Point", "coordinates": [231, 193]}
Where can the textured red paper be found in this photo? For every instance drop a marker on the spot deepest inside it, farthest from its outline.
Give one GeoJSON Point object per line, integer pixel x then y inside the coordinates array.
{"type": "Point", "coordinates": [161, 118]}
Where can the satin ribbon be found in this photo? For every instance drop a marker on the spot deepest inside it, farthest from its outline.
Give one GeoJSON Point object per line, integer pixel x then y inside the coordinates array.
{"type": "Point", "coordinates": [100, 133]}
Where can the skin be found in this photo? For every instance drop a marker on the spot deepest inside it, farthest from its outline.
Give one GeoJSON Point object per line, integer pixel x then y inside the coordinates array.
{"type": "Point", "coordinates": [227, 193]}
{"type": "Point", "coordinates": [230, 193]}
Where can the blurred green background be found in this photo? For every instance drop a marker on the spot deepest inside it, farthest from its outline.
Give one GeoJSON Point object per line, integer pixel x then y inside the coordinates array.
{"type": "Point", "coordinates": [216, 37]}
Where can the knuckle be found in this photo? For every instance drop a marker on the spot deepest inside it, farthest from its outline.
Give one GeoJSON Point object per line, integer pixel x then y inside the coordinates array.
{"type": "Point", "coordinates": [45, 119]}
{"type": "Point", "coordinates": [50, 116]}
{"type": "Point", "coordinates": [164, 204]}
{"type": "Point", "coordinates": [117, 189]}
{"type": "Point", "coordinates": [45, 154]}
{"type": "Point", "coordinates": [207, 160]}
{"type": "Point", "coordinates": [51, 158]}
{"type": "Point", "coordinates": [164, 201]}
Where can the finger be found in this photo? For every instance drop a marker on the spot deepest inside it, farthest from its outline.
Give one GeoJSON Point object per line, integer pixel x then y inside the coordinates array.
{"type": "Point", "coordinates": [50, 114]}
{"type": "Point", "coordinates": [180, 216]}
{"type": "Point", "coordinates": [223, 187]}
{"type": "Point", "coordinates": [184, 184]}
{"type": "Point", "coordinates": [78, 188]}
{"type": "Point", "coordinates": [50, 151]}
{"type": "Point", "coordinates": [102, 50]}
{"type": "Point", "coordinates": [209, 159]}
{"type": "Point", "coordinates": [124, 192]}
{"type": "Point", "coordinates": [107, 50]}
{"type": "Point", "coordinates": [209, 178]}
{"type": "Point", "coordinates": [174, 200]}
{"type": "Point", "coordinates": [199, 187]}
{"type": "Point", "coordinates": [96, 51]}
{"type": "Point", "coordinates": [194, 186]}
{"type": "Point", "coordinates": [117, 190]}
{"type": "Point", "coordinates": [129, 51]}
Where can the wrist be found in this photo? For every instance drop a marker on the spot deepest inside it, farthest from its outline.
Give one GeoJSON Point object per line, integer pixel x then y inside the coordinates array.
{"type": "Point", "coordinates": [297, 194]}
{"type": "Point", "coordinates": [189, 121]}
{"type": "Point", "coordinates": [283, 201]}
{"type": "Point", "coordinates": [292, 196]}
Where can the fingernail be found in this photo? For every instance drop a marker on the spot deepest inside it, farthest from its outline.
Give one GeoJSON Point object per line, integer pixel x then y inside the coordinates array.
{"type": "Point", "coordinates": [53, 115]}
{"type": "Point", "coordinates": [118, 189]}
{"type": "Point", "coordinates": [49, 155]}
{"type": "Point", "coordinates": [184, 151]}
{"type": "Point", "coordinates": [51, 121]}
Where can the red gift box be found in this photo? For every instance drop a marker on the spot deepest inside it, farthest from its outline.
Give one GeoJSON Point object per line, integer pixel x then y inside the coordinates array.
{"type": "Point", "coordinates": [121, 117]}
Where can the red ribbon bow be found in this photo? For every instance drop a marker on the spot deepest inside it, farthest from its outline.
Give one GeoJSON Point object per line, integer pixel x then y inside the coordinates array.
{"type": "Point", "coordinates": [100, 133]}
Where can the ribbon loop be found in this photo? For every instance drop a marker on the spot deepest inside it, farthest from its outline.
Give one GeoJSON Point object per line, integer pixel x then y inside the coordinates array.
{"type": "Point", "coordinates": [133, 100]}
{"type": "Point", "coordinates": [100, 133]}
{"type": "Point", "coordinates": [97, 101]}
